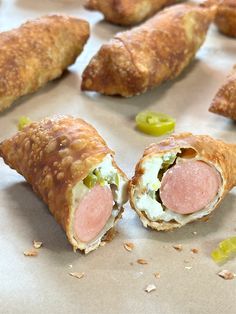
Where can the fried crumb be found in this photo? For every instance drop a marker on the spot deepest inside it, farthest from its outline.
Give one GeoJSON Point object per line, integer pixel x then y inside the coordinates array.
{"type": "Point", "coordinates": [150, 288]}
{"type": "Point", "coordinates": [157, 275]}
{"type": "Point", "coordinates": [110, 235]}
{"type": "Point", "coordinates": [142, 261]}
{"type": "Point", "coordinates": [37, 244]}
{"type": "Point", "coordinates": [188, 267]}
{"type": "Point", "coordinates": [129, 246]}
{"type": "Point", "coordinates": [30, 253]}
{"type": "Point", "coordinates": [78, 275]}
{"type": "Point", "coordinates": [226, 274]}
{"type": "Point", "coordinates": [194, 251]}
{"type": "Point", "coordinates": [178, 247]}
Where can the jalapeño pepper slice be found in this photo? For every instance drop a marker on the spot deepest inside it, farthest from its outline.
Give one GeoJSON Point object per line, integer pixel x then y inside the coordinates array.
{"type": "Point", "coordinates": [154, 123]}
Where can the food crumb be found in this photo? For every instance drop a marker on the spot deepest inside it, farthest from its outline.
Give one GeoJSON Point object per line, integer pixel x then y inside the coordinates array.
{"type": "Point", "coordinates": [129, 246]}
{"type": "Point", "coordinates": [149, 288]}
{"type": "Point", "coordinates": [37, 244]}
{"type": "Point", "coordinates": [142, 261]}
{"type": "Point", "coordinates": [157, 275]}
{"type": "Point", "coordinates": [178, 247]}
{"type": "Point", "coordinates": [194, 251]}
{"type": "Point", "coordinates": [110, 235]}
{"type": "Point", "coordinates": [188, 267]}
{"type": "Point", "coordinates": [226, 274]}
{"type": "Point", "coordinates": [194, 232]}
{"type": "Point", "coordinates": [30, 253]}
{"type": "Point", "coordinates": [103, 243]}
{"type": "Point", "coordinates": [77, 275]}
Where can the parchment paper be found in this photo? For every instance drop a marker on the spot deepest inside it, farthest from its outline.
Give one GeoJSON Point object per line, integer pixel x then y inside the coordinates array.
{"type": "Point", "coordinates": [114, 282]}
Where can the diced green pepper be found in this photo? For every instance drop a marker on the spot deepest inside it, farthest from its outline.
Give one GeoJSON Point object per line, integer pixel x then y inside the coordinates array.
{"type": "Point", "coordinates": [90, 180]}
{"type": "Point", "coordinates": [225, 249]}
{"type": "Point", "coordinates": [218, 256]}
{"type": "Point", "coordinates": [23, 121]}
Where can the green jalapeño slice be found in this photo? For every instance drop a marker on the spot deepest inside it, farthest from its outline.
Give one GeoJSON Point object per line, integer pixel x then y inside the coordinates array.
{"type": "Point", "coordinates": [155, 123]}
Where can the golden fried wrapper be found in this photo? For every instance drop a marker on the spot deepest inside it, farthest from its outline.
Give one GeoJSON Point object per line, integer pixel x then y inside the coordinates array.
{"type": "Point", "coordinates": [224, 102]}
{"type": "Point", "coordinates": [37, 52]}
{"type": "Point", "coordinates": [220, 155]}
{"type": "Point", "coordinates": [127, 12]}
{"type": "Point", "coordinates": [146, 56]}
{"type": "Point", "coordinates": [54, 155]}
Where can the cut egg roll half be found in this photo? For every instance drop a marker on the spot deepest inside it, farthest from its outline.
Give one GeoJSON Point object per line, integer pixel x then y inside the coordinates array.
{"type": "Point", "coordinates": [182, 179]}
{"type": "Point", "coordinates": [71, 168]}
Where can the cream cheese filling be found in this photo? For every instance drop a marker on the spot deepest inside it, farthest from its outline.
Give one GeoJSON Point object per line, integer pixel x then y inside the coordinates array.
{"type": "Point", "coordinates": [145, 193]}
{"type": "Point", "coordinates": [110, 176]}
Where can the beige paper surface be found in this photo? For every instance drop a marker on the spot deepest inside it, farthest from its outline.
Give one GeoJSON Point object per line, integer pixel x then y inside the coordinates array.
{"type": "Point", "coordinates": [113, 281]}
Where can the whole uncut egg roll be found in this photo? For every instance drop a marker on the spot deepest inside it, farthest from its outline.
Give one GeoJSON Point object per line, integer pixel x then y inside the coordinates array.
{"type": "Point", "coordinates": [71, 168]}
{"type": "Point", "coordinates": [182, 179]}
{"type": "Point", "coordinates": [37, 52]}
{"type": "Point", "coordinates": [146, 56]}
{"type": "Point", "coordinates": [224, 103]}
{"type": "Point", "coordinates": [127, 12]}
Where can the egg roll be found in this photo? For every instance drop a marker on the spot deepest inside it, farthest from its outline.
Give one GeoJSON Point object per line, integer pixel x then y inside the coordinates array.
{"type": "Point", "coordinates": [146, 56]}
{"type": "Point", "coordinates": [182, 179]}
{"type": "Point", "coordinates": [127, 12]}
{"type": "Point", "coordinates": [71, 168]}
{"type": "Point", "coordinates": [224, 103]}
{"type": "Point", "coordinates": [226, 17]}
{"type": "Point", "coordinates": [37, 52]}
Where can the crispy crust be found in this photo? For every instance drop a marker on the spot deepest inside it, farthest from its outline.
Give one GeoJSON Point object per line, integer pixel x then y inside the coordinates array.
{"type": "Point", "coordinates": [127, 12]}
{"type": "Point", "coordinates": [226, 17]}
{"type": "Point", "coordinates": [157, 51]}
{"type": "Point", "coordinates": [224, 102]}
{"type": "Point", "coordinates": [37, 52]}
{"type": "Point", "coordinates": [215, 152]}
{"type": "Point", "coordinates": [53, 155]}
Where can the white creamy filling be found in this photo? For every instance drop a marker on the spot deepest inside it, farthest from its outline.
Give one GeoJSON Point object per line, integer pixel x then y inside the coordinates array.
{"type": "Point", "coordinates": [145, 193]}
{"type": "Point", "coordinates": [107, 170]}
{"type": "Point", "coordinates": [109, 173]}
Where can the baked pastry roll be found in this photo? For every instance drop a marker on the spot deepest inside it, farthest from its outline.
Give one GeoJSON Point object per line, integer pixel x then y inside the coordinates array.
{"type": "Point", "coordinates": [226, 17]}
{"type": "Point", "coordinates": [148, 55]}
{"type": "Point", "coordinates": [37, 52]}
{"type": "Point", "coordinates": [127, 12]}
{"type": "Point", "coordinates": [224, 102]}
{"type": "Point", "coordinates": [71, 168]}
{"type": "Point", "coordinates": [182, 179]}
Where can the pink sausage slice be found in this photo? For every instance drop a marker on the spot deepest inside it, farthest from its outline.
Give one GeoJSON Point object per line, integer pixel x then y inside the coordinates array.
{"type": "Point", "coordinates": [92, 213]}
{"type": "Point", "coordinates": [189, 186]}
